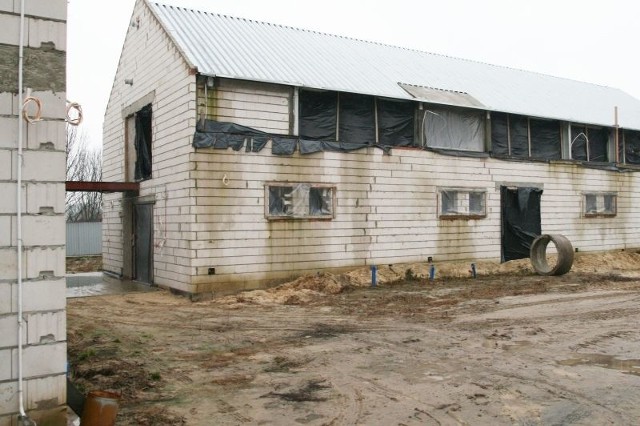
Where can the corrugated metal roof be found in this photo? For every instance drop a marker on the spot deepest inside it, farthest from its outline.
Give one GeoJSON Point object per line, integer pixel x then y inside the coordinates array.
{"type": "Point", "coordinates": [224, 46]}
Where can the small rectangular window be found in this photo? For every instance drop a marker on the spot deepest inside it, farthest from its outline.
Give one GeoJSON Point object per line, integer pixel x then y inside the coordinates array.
{"type": "Point", "coordinates": [600, 204]}
{"type": "Point", "coordinates": [299, 201]}
{"type": "Point", "coordinates": [462, 203]}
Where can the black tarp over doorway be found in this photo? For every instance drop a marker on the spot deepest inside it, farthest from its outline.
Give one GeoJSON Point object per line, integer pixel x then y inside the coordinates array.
{"type": "Point", "coordinates": [521, 222]}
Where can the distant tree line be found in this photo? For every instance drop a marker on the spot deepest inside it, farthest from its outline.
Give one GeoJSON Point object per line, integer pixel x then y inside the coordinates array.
{"type": "Point", "coordinates": [84, 163]}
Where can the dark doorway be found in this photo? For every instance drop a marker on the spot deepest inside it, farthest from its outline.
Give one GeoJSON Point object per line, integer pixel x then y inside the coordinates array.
{"type": "Point", "coordinates": [143, 243]}
{"type": "Point", "coordinates": [521, 222]}
{"type": "Point", "coordinates": [143, 144]}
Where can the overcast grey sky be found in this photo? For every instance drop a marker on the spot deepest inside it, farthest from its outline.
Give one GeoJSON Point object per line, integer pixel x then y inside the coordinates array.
{"type": "Point", "coordinates": [589, 40]}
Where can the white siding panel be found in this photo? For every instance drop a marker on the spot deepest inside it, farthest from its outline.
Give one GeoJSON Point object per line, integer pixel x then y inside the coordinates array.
{"type": "Point", "coordinates": [386, 211]}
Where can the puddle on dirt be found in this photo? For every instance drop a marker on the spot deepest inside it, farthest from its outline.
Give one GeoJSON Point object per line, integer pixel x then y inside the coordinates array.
{"type": "Point", "coordinates": [628, 366]}
{"type": "Point", "coordinates": [95, 284]}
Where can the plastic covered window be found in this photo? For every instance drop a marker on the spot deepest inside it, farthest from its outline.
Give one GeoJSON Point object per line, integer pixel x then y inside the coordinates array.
{"type": "Point", "coordinates": [600, 204]}
{"type": "Point", "coordinates": [521, 137]}
{"type": "Point", "coordinates": [630, 147]}
{"type": "Point", "coordinates": [300, 201]}
{"type": "Point", "coordinates": [589, 143]}
{"type": "Point", "coordinates": [462, 203]}
{"type": "Point", "coordinates": [454, 129]}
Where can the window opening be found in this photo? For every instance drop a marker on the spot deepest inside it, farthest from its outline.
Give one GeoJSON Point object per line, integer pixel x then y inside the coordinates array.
{"type": "Point", "coordinates": [454, 129]}
{"type": "Point", "coordinates": [462, 203]}
{"type": "Point", "coordinates": [143, 144]}
{"type": "Point", "coordinates": [300, 201]}
{"type": "Point", "coordinates": [589, 143]}
{"type": "Point", "coordinates": [631, 147]}
{"type": "Point", "coordinates": [523, 137]}
{"type": "Point", "coordinates": [600, 204]}
{"type": "Point", "coordinates": [355, 119]}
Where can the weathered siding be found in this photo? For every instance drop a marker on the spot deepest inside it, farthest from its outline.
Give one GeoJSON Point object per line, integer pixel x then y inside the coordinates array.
{"type": "Point", "coordinates": [386, 208]}
{"type": "Point", "coordinates": [43, 221]}
{"type": "Point", "coordinates": [263, 106]}
{"type": "Point", "coordinates": [162, 77]}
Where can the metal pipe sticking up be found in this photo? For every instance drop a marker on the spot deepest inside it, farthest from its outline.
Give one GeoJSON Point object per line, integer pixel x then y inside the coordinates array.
{"type": "Point", "coordinates": [616, 127]}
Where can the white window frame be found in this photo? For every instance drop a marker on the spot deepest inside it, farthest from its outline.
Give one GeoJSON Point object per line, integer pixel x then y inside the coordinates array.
{"type": "Point", "coordinates": [299, 201]}
{"type": "Point", "coordinates": [600, 198]}
{"type": "Point", "coordinates": [462, 200]}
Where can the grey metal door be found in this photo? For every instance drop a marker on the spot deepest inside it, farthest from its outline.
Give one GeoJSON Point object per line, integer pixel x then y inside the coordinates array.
{"type": "Point", "coordinates": [143, 250]}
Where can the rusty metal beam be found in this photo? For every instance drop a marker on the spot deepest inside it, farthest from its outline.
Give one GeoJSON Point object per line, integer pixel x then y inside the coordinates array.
{"type": "Point", "coordinates": [102, 186]}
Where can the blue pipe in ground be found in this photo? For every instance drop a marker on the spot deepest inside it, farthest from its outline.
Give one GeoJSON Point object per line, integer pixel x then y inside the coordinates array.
{"type": "Point", "coordinates": [374, 277]}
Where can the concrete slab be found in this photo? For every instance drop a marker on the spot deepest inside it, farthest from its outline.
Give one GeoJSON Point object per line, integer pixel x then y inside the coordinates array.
{"type": "Point", "coordinates": [97, 284]}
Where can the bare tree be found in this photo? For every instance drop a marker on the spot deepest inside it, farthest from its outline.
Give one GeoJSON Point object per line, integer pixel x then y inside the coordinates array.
{"type": "Point", "coordinates": [84, 163]}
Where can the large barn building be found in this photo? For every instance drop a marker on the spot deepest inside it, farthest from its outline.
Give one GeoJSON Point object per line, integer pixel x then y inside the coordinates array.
{"type": "Point", "coordinates": [265, 151]}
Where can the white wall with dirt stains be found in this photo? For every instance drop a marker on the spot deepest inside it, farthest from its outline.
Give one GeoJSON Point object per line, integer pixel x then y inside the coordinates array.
{"type": "Point", "coordinates": [43, 208]}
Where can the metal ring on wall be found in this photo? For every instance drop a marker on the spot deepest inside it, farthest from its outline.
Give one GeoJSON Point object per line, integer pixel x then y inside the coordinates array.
{"type": "Point", "coordinates": [74, 121]}
{"type": "Point", "coordinates": [38, 114]}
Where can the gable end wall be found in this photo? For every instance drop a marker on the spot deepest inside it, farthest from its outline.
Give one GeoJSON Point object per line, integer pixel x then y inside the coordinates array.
{"type": "Point", "coordinates": [159, 72]}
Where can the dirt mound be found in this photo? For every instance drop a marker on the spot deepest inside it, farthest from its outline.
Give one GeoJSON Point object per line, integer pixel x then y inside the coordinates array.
{"type": "Point", "coordinates": [307, 288]}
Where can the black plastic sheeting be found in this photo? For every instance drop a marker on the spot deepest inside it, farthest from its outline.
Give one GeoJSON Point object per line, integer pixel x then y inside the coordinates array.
{"type": "Point", "coordinates": [516, 129]}
{"type": "Point", "coordinates": [521, 221]}
{"type": "Point", "coordinates": [318, 114]}
{"type": "Point", "coordinates": [309, 147]}
{"type": "Point", "coordinates": [457, 153]}
{"type": "Point", "coordinates": [143, 144]}
{"type": "Point", "coordinates": [578, 143]}
{"type": "Point", "coordinates": [598, 142]}
{"type": "Point", "coordinates": [545, 139]}
{"type": "Point", "coordinates": [357, 119]}
{"type": "Point", "coordinates": [222, 135]}
{"type": "Point", "coordinates": [499, 135]}
{"type": "Point", "coordinates": [283, 145]}
{"type": "Point", "coordinates": [596, 138]}
{"type": "Point", "coordinates": [395, 123]}
{"type": "Point", "coordinates": [632, 147]}
{"type": "Point", "coordinates": [255, 144]}
{"type": "Point", "coordinates": [620, 146]}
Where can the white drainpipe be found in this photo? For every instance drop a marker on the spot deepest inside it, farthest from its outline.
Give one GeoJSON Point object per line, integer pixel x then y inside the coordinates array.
{"type": "Point", "coordinates": [23, 417]}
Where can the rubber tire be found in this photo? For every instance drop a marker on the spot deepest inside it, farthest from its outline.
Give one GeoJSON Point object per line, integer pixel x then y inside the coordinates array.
{"type": "Point", "coordinates": [539, 255]}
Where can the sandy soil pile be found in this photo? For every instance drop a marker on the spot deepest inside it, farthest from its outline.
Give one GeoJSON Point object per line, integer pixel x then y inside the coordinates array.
{"type": "Point", "coordinates": [307, 288]}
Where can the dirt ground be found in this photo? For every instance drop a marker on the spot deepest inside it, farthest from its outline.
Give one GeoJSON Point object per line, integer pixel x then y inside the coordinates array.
{"type": "Point", "coordinates": [508, 347]}
{"type": "Point", "coordinates": [78, 264]}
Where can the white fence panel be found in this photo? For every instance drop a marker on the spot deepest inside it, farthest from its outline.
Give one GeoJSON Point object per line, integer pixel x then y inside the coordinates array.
{"type": "Point", "coordinates": [84, 238]}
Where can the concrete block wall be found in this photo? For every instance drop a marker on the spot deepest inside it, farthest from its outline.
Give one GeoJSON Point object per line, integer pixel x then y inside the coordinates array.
{"type": "Point", "coordinates": [43, 222]}
{"type": "Point", "coordinates": [386, 205]}
{"type": "Point", "coordinates": [163, 78]}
